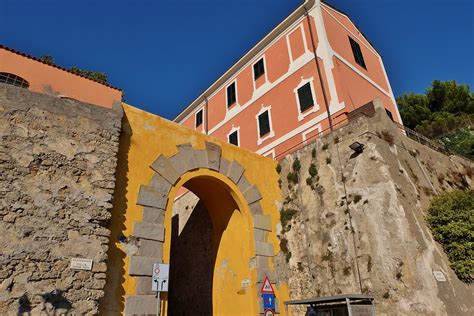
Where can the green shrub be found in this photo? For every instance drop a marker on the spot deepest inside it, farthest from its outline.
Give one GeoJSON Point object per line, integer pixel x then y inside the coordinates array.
{"type": "Point", "coordinates": [325, 146]}
{"type": "Point", "coordinates": [312, 170]}
{"type": "Point", "coordinates": [292, 177]}
{"type": "Point", "coordinates": [278, 168]}
{"type": "Point", "coordinates": [357, 198]}
{"type": "Point", "coordinates": [296, 165]}
{"type": "Point", "coordinates": [336, 140]}
{"type": "Point", "coordinates": [451, 218]}
{"type": "Point", "coordinates": [313, 153]}
{"type": "Point", "coordinates": [328, 160]}
{"type": "Point", "coordinates": [286, 216]}
{"type": "Point", "coordinates": [309, 181]}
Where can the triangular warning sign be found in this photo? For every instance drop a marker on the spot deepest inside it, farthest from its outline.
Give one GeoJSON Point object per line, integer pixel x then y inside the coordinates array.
{"type": "Point", "coordinates": [267, 286]}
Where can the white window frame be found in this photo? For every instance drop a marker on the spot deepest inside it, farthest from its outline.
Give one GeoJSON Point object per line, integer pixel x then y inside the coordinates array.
{"type": "Point", "coordinates": [315, 107]}
{"type": "Point", "coordinates": [264, 74]}
{"type": "Point", "coordinates": [232, 130]}
{"type": "Point", "coordinates": [200, 127]}
{"type": "Point", "coordinates": [271, 133]}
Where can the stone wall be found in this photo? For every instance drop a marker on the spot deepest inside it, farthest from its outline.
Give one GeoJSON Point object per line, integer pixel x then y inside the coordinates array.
{"type": "Point", "coordinates": [356, 223]}
{"type": "Point", "coordinates": [57, 166]}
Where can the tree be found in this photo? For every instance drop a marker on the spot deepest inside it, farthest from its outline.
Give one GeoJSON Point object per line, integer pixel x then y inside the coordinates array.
{"type": "Point", "coordinates": [444, 107]}
{"type": "Point", "coordinates": [48, 59]}
{"type": "Point", "coordinates": [413, 109]}
{"type": "Point", "coordinates": [94, 75]}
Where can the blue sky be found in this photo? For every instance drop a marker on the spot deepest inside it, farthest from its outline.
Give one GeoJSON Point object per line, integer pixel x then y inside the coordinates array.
{"type": "Point", "coordinates": [164, 53]}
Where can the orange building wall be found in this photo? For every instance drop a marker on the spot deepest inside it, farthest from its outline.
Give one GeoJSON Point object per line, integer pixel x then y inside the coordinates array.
{"type": "Point", "coordinates": [44, 78]}
{"type": "Point", "coordinates": [289, 59]}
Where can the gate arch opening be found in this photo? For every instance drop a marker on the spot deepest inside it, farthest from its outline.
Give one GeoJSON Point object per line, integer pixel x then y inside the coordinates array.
{"type": "Point", "coordinates": [207, 263]}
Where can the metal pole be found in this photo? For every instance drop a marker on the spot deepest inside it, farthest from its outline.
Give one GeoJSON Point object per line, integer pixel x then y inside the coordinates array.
{"type": "Point", "coordinates": [158, 304]}
{"type": "Point", "coordinates": [349, 311]}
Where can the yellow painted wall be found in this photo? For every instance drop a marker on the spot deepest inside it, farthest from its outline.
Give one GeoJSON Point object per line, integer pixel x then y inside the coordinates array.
{"type": "Point", "coordinates": [145, 136]}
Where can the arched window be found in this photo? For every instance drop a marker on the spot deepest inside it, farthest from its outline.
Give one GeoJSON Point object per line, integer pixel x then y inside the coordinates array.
{"type": "Point", "coordinates": [15, 80]}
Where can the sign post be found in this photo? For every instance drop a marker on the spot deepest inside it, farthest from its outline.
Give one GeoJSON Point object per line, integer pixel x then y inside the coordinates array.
{"type": "Point", "coordinates": [268, 296]}
{"type": "Point", "coordinates": [159, 281]}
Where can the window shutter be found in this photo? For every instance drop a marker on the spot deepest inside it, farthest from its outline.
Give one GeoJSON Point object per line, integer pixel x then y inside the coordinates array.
{"type": "Point", "coordinates": [199, 118]}
{"type": "Point", "coordinates": [258, 69]}
{"type": "Point", "coordinates": [231, 94]}
{"type": "Point", "coordinates": [233, 138]}
{"type": "Point", "coordinates": [359, 58]}
{"type": "Point", "coordinates": [305, 97]}
{"type": "Point", "coordinates": [264, 123]}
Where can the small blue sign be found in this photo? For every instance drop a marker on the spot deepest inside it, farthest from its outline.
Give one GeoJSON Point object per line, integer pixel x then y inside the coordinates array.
{"type": "Point", "coordinates": [268, 301]}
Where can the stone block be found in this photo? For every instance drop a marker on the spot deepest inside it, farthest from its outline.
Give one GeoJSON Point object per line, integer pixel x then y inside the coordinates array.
{"type": "Point", "coordinates": [178, 164]}
{"type": "Point", "coordinates": [150, 248]}
{"type": "Point", "coordinates": [149, 231]}
{"type": "Point", "coordinates": [140, 305]}
{"type": "Point", "coordinates": [243, 184]}
{"type": "Point", "coordinates": [148, 196]}
{"type": "Point", "coordinates": [255, 208]}
{"type": "Point", "coordinates": [263, 249]}
{"type": "Point", "coordinates": [159, 183]}
{"type": "Point", "coordinates": [213, 155]}
{"type": "Point", "coordinates": [143, 266]}
{"type": "Point", "coordinates": [224, 166]}
{"type": "Point", "coordinates": [235, 171]}
{"type": "Point", "coordinates": [153, 215]}
{"type": "Point", "coordinates": [262, 222]}
{"type": "Point", "coordinates": [143, 285]}
{"type": "Point", "coordinates": [164, 167]}
{"type": "Point", "coordinates": [186, 152]}
{"type": "Point", "coordinates": [252, 194]}
{"type": "Point", "coordinates": [201, 158]}
{"type": "Point", "coordinates": [259, 234]}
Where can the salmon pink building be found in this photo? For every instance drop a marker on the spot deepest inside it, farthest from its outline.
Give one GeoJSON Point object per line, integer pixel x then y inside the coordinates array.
{"type": "Point", "coordinates": [31, 73]}
{"type": "Point", "coordinates": [300, 80]}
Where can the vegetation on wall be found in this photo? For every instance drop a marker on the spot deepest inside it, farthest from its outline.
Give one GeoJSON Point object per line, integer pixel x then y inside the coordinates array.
{"type": "Point", "coordinates": [441, 111]}
{"type": "Point", "coordinates": [94, 75]}
{"type": "Point", "coordinates": [451, 217]}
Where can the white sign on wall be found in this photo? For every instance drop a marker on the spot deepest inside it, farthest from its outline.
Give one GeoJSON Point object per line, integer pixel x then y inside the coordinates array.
{"type": "Point", "coordinates": [159, 280]}
{"type": "Point", "coordinates": [439, 276]}
{"type": "Point", "coordinates": [81, 264]}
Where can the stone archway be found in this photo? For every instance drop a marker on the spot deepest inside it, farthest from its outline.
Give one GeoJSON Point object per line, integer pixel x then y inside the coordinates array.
{"type": "Point", "coordinates": [156, 201]}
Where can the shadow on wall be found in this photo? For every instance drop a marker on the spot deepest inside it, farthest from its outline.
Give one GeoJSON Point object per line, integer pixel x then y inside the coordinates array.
{"type": "Point", "coordinates": [52, 303]}
{"type": "Point", "coordinates": [112, 303]}
{"type": "Point", "coordinates": [191, 266]}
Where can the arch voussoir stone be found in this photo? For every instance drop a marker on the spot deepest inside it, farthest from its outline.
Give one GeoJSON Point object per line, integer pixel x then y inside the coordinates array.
{"type": "Point", "coordinates": [252, 194]}
{"type": "Point", "coordinates": [163, 166]}
{"type": "Point", "coordinates": [186, 152]}
{"type": "Point", "coordinates": [235, 171]}
{"type": "Point", "coordinates": [153, 197]}
{"type": "Point", "coordinates": [214, 152]}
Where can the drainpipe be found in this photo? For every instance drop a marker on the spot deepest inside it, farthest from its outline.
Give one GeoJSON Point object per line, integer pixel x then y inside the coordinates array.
{"type": "Point", "coordinates": [206, 107]}
{"type": "Point", "coordinates": [318, 68]}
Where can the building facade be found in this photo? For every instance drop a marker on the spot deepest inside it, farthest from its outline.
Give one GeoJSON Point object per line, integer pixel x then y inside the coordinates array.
{"type": "Point", "coordinates": [26, 71]}
{"type": "Point", "coordinates": [300, 80]}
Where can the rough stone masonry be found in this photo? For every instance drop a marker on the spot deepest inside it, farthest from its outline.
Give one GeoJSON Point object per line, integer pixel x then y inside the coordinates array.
{"type": "Point", "coordinates": [57, 165]}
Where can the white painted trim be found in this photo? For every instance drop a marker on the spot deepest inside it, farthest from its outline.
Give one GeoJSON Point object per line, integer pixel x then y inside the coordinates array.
{"type": "Point", "coordinates": [315, 107]}
{"type": "Point", "coordinates": [325, 52]}
{"type": "Point", "coordinates": [271, 133]}
{"type": "Point", "coordinates": [360, 73]}
{"type": "Point", "coordinates": [234, 129]}
{"type": "Point", "coordinates": [303, 35]}
{"type": "Point", "coordinates": [390, 90]}
{"type": "Point", "coordinates": [270, 153]}
{"type": "Point", "coordinates": [297, 130]}
{"type": "Point", "coordinates": [372, 49]}
{"type": "Point", "coordinates": [264, 72]}
{"type": "Point", "coordinates": [261, 92]}
{"type": "Point", "coordinates": [200, 127]}
{"type": "Point", "coordinates": [309, 130]}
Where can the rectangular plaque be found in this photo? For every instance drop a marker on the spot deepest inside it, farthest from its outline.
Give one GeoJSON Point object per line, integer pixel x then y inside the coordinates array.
{"type": "Point", "coordinates": [81, 264]}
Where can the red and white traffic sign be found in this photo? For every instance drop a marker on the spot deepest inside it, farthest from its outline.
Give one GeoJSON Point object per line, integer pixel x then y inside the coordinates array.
{"type": "Point", "coordinates": [269, 312]}
{"type": "Point", "coordinates": [267, 287]}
